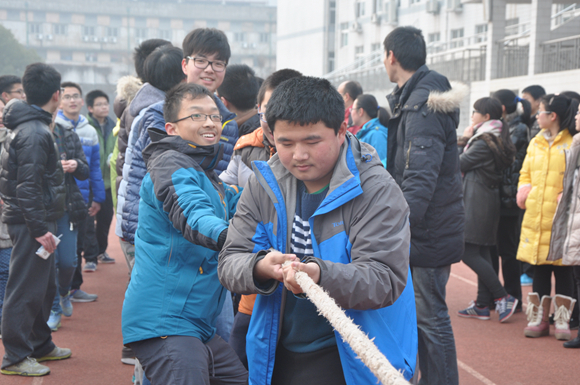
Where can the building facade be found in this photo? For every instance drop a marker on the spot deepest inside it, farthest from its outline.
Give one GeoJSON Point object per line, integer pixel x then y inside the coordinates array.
{"type": "Point", "coordinates": [92, 42]}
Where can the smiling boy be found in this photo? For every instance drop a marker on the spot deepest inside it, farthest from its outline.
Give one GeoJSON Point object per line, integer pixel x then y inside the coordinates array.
{"type": "Point", "coordinates": [326, 203]}
{"type": "Point", "coordinates": [183, 220]}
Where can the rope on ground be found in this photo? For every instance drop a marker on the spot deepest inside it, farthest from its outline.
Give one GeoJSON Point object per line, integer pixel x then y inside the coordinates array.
{"type": "Point", "coordinates": [360, 343]}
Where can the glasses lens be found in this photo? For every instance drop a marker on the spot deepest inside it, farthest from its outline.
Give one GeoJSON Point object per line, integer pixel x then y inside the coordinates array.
{"type": "Point", "coordinates": [200, 63]}
{"type": "Point", "coordinates": [216, 118]}
{"type": "Point", "coordinates": [218, 66]}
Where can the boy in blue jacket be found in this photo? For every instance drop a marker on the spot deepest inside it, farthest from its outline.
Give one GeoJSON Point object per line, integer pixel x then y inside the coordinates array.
{"type": "Point", "coordinates": [183, 221]}
{"type": "Point", "coordinates": [326, 203]}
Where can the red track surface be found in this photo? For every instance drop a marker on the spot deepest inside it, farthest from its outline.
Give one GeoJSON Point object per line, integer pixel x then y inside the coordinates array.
{"type": "Point", "coordinates": [489, 353]}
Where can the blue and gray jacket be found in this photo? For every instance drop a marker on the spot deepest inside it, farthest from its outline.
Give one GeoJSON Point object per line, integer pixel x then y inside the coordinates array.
{"type": "Point", "coordinates": [90, 142]}
{"type": "Point", "coordinates": [183, 210]}
{"type": "Point", "coordinates": [361, 239]}
{"type": "Point", "coordinates": [377, 135]}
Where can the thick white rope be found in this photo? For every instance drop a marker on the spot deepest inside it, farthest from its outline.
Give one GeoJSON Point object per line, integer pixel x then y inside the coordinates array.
{"type": "Point", "coordinates": [360, 343]}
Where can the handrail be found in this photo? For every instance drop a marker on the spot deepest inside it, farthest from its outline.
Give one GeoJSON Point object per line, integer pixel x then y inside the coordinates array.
{"type": "Point", "coordinates": [560, 40]}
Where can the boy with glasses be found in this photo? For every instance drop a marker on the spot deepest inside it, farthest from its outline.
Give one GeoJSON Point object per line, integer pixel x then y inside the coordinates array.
{"type": "Point", "coordinates": [11, 88]}
{"type": "Point", "coordinates": [183, 221]}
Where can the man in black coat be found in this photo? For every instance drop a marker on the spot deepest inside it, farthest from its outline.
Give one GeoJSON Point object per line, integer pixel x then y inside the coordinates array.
{"type": "Point", "coordinates": [32, 187]}
{"type": "Point", "coordinates": [423, 158]}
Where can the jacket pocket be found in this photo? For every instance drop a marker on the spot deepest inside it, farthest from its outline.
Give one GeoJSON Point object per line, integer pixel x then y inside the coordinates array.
{"type": "Point", "coordinates": [418, 146]}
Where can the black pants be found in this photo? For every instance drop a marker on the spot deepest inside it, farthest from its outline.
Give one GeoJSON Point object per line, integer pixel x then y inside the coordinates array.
{"type": "Point", "coordinates": [508, 238]}
{"type": "Point", "coordinates": [543, 280]}
{"type": "Point", "coordinates": [87, 247]}
{"type": "Point", "coordinates": [104, 218]}
{"type": "Point", "coordinates": [322, 367]}
{"type": "Point", "coordinates": [489, 288]}
{"type": "Point", "coordinates": [238, 336]}
{"type": "Point", "coordinates": [183, 360]}
{"type": "Point", "coordinates": [29, 294]}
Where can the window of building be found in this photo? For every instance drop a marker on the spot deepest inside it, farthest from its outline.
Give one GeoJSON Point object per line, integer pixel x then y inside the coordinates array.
{"type": "Point", "coordinates": [141, 33]}
{"type": "Point", "coordinates": [239, 36]}
{"type": "Point", "coordinates": [456, 39]}
{"type": "Point", "coordinates": [116, 58]}
{"type": "Point", "coordinates": [165, 34]}
{"type": "Point", "coordinates": [88, 31]}
{"type": "Point", "coordinates": [434, 37]}
{"type": "Point", "coordinates": [66, 55]}
{"type": "Point", "coordinates": [332, 13]}
{"type": "Point", "coordinates": [60, 29]}
{"type": "Point", "coordinates": [360, 8]}
{"type": "Point", "coordinates": [379, 5]}
{"type": "Point", "coordinates": [264, 37]}
{"type": "Point", "coordinates": [343, 34]}
{"type": "Point", "coordinates": [35, 28]}
{"type": "Point", "coordinates": [330, 61]}
{"type": "Point", "coordinates": [359, 51]}
{"type": "Point", "coordinates": [512, 26]}
{"type": "Point", "coordinates": [480, 33]}
{"type": "Point", "coordinates": [375, 47]}
{"type": "Point", "coordinates": [414, 1]}
{"type": "Point", "coordinates": [13, 15]}
{"type": "Point", "coordinates": [91, 56]}
{"type": "Point", "coordinates": [112, 31]}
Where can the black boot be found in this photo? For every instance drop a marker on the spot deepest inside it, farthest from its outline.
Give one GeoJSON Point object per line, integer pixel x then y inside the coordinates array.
{"type": "Point", "coordinates": [573, 344]}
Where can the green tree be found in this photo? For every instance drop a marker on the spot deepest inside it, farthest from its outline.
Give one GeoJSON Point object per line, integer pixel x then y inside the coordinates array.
{"type": "Point", "coordinates": [15, 57]}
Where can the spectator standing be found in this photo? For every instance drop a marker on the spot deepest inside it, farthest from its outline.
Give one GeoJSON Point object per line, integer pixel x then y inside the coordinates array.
{"type": "Point", "coordinates": [11, 88]}
{"type": "Point", "coordinates": [423, 159]}
{"type": "Point", "coordinates": [92, 189]}
{"type": "Point", "coordinates": [238, 92]}
{"type": "Point", "coordinates": [350, 90]}
{"type": "Point", "coordinates": [182, 226]}
{"type": "Point", "coordinates": [541, 182]}
{"type": "Point", "coordinates": [486, 150]}
{"type": "Point", "coordinates": [5, 242]}
{"type": "Point", "coordinates": [373, 121]}
{"type": "Point", "coordinates": [533, 94]}
{"type": "Point", "coordinates": [32, 188]}
{"type": "Point", "coordinates": [516, 113]}
{"type": "Point", "coordinates": [98, 106]}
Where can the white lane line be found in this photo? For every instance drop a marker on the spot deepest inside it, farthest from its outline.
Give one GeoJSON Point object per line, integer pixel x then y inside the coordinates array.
{"type": "Point", "coordinates": [38, 381]}
{"type": "Point", "coordinates": [470, 282]}
{"type": "Point", "coordinates": [474, 373]}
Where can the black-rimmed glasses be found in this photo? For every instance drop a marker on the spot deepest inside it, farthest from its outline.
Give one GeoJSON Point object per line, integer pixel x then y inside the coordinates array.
{"type": "Point", "coordinates": [202, 118]}
{"type": "Point", "coordinates": [201, 63]}
{"type": "Point", "coordinates": [262, 115]}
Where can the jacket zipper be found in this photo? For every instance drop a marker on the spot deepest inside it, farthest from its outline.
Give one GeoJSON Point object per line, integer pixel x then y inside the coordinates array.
{"type": "Point", "coordinates": [408, 155]}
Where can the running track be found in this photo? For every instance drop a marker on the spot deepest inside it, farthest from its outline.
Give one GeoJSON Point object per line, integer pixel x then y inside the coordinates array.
{"type": "Point", "coordinates": [489, 353]}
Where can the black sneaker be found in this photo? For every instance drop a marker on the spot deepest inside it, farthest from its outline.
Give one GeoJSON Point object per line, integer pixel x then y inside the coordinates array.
{"type": "Point", "coordinates": [127, 356]}
{"type": "Point", "coordinates": [104, 258]}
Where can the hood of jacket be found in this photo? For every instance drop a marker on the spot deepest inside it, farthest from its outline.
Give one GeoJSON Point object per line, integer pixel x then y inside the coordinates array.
{"type": "Point", "coordinates": [66, 123]}
{"type": "Point", "coordinates": [255, 138]}
{"type": "Point", "coordinates": [17, 112]}
{"type": "Point", "coordinates": [127, 88]}
{"type": "Point", "coordinates": [206, 156]}
{"type": "Point", "coordinates": [146, 96]}
{"type": "Point", "coordinates": [249, 125]}
{"type": "Point", "coordinates": [369, 126]}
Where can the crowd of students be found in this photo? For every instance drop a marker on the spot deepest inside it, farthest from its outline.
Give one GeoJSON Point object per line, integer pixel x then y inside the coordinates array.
{"type": "Point", "coordinates": [224, 185]}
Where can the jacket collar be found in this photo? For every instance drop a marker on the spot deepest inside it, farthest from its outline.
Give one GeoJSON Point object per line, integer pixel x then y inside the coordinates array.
{"type": "Point", "coordinates": [70, 124]}
{"type": "Point", "coordinates": [17, 112]}
{"type": "Point", "coordinates": [371, 125]}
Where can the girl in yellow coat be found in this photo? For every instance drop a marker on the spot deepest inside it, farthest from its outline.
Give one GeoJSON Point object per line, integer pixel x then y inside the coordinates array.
{"type": "Point", "coordinates": [541, 181]}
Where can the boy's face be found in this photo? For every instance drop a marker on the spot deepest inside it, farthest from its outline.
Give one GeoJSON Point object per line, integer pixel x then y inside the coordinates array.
{"type": "Point", "coordinates": [100, 108]}
{"type": "Point", "coordinates": [535, 103]}
{"type": "Point", "coordinates": [203, 130]}
{"type": "Point", "coordinates": [309, 152]}
{"type": "Point", "coordinates": [264, 125]}
{"type": "Point", "coordinates": [71, 101]}
{"type": "Point", "coordinates": [207, 77]}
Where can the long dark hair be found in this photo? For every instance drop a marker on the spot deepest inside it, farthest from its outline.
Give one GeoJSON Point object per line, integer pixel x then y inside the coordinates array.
{"type": "Point", "coordinates": [503, 149]}
{"type": "Point", "coordinates": [370, 105]}
{"type": "Point", "coordinates": [510, 101]}
{"type": "Point", "coordinates": [565, 108]}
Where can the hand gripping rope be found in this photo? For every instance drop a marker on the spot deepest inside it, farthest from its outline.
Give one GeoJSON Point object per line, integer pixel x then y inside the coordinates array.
{"type": "Point", "coordinates": [360, 343]}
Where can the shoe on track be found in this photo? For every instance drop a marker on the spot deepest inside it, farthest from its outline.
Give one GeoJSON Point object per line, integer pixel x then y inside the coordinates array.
{"type": "Point", "coordinates": [57, 354]}
{"type": "Point", "coordinates": [90, 267]}
{"type": "Point", "coordinates": [506, 307]}
{"type": "Point", "coordinates": [104, 258]}
{"type": "Point", "coordinates": [473, 311]}
{"type": "Point", "coordinates": [127, 356]}
{"type": "Point", "coordinates": [66, 305]}
{"type": "Point", "coordinates": [29, 367]}
{"type": "Point", "coordinates": [81, 296]}
{"type": "Point", "coordinates": [54, 321]}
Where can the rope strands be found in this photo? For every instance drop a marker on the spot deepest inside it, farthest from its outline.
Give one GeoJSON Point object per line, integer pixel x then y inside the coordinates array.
{"type": "Point", "coordinates": [360, 343]}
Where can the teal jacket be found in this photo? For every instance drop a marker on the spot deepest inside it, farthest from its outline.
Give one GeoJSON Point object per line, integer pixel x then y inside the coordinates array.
{"type": "Point", "coordinates": [184, 208]}
{"type": "Point", "coordinates": [375, 134]}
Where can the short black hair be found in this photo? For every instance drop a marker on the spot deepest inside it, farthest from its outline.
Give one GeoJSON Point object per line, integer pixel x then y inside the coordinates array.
{"type": "Point", "coordinates": [163, 67]}
{"type": "Point", "coordinates": [7, 81]}
{"type": "Point", "coordinates": [143, 51]}
{"type": "Point", "coordinates": [353, 88]}
{"type": "Point", "coordinates": [408, 46]}
{"type": "Point", "coordinates": [510, 101]}
{"type": "Point", "coordinates": [489, 106]}
{"type": "Point", "coordinates": [306, 100]}
{"type": "Point", "coordinates": [571, 94]}
{"type": "Point", "coordinates": [93, 95]}
{"type": "Point", "coordinates": [274, 80]}
{"type": "Point", "coordinates": [371, 107]}
{"type": "Point", "coordinates": [240, 87]}
{"type": "Point", "coordinates": [207, 41]}
{"type": "Point", "coordinates": [535, 90]}
{"type": "Point", "coordinates": [40, 82]}
{"type": "Point", "coordinates": [72, 84]}
{"type": "Point", "coordinates": [175, 96]}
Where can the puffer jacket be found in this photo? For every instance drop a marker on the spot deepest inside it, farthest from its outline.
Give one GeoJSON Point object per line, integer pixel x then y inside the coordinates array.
{"type": "Point", "coordinates": [250, 147]}
{"type": "Point", "coordinates": [423, 158]}
{"type": "Point", "coordinates": [184, 209]}
{"type": "Point", "coordinates": [90, 142]}
{"type": "Point", "coordinates": [543, 169]}
{"type": "Point", "coordinates": [106, 146]}
{"type": "Point", "coordinates": [519, 134]}
{"type": "Point", "coordinates": [565, 239]}
{"type": "Point", "coordinates": [31, 180]}
{"type": "Point", "coordinates": [377, 135]}
{"type": "Point", "coordinates": [363, 254]}
{"type": "Point", "coordinates": [229, 134]}
{"type": "Point", "coordinates": [70, 147]}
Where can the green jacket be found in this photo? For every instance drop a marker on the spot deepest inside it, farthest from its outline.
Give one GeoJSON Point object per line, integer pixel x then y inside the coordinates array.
{"type": "Point", "coordinates": [106, 146]}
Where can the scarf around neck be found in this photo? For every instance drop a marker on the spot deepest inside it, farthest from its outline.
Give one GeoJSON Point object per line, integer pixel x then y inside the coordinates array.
{"type": "Point", "coordinates": [492, 126]}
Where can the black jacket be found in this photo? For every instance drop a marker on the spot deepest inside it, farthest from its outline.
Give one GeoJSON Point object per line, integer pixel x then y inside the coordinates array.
{"type": "Point", "coordinates": [31, 179]}
{"type": "Point", "coordinates": [70, 147]}
{"type": "Point", "coordinates": [249, 125]}
{"type": "Point", "coordinates": [519, 134]}
{"type": "Point", "coordinates": [423, 158]}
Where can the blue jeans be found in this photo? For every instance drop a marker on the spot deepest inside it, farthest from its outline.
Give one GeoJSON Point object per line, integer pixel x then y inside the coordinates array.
{"type": "Point", "coordinates": [225, 321]}
{"type": "Point", "coordinates": [437, 355]}
{"type": "Point", "coordinates": [65, 259]}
